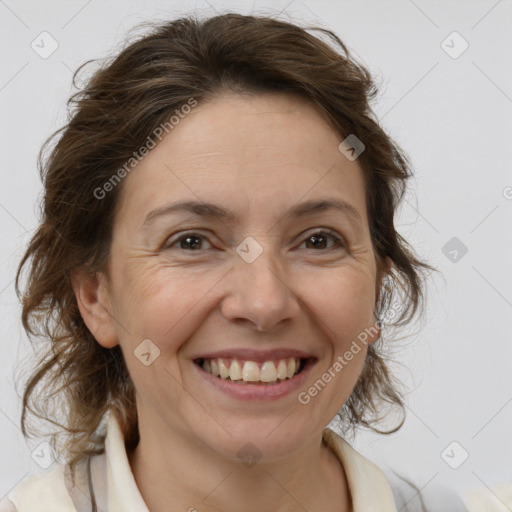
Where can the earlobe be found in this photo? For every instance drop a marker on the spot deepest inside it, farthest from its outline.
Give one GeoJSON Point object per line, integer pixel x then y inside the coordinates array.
{"type": "Point", "coordinates": [388, 264]}
{"type": "Point", "coordinates": [373, 332]}
{"type": "Point", "coordinates": [93, 299]}
{"type": "Point", "coordinates": [384, 270]}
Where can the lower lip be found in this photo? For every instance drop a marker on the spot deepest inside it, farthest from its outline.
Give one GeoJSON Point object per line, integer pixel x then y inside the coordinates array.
{"type": "Point", "coordinates": [262, 392]}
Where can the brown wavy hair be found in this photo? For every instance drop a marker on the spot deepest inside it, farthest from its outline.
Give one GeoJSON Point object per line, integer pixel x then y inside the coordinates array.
{"type": "Point", "coordinates": [120, 105]}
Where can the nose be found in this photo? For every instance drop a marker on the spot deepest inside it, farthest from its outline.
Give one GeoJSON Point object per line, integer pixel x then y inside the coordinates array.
{"type": "Point", "coordinates": [259, 294]}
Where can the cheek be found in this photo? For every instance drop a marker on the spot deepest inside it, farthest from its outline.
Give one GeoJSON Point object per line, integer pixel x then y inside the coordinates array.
{"type": "Point", "coordinates": [161, 304]}
{"type": "Point", "coordinates": [344, 307]}
{"type": "Point", "coordinates": [343, 300]}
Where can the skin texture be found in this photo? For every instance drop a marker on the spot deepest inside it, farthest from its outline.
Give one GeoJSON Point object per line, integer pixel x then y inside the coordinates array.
{"type": "Point", "coordinates": [257, 156]}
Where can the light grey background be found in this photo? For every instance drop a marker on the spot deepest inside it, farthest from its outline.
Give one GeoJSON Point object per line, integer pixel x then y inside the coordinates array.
{"type": "Point", "coordinates": [451, 115]}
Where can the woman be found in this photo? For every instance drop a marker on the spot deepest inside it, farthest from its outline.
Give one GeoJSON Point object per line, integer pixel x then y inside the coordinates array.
{"type": "Point", "coordinates": [215, 259]}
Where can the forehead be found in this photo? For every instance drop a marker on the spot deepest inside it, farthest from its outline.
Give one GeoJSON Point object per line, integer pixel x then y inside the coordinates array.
{"type": "Point", "coordinates": [252, 153]}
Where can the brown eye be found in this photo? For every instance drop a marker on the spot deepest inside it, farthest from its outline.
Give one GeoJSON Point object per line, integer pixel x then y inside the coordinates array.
{"type": "Point", "coordinates": [188, 242]}
{"type": "Point", "coordinates": [320, 240]}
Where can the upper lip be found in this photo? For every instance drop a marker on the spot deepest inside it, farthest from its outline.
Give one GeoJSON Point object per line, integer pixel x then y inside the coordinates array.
{"type": "Point", "coordinates": [259, 356]}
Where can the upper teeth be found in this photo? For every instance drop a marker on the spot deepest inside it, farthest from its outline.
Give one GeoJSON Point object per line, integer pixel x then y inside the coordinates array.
{"type": "Point", "coordinates": [251, 371]}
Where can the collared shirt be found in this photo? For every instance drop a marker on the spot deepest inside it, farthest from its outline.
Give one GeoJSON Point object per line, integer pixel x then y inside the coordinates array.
{"type": "Point", "coordinates": [495, 499]}
{"type": "Point", "coordinates": [115, 488]}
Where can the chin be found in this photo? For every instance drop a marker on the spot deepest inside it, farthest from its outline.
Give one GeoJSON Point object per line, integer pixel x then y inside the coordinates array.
{"type": "Point", "coordinates": [266, 439]}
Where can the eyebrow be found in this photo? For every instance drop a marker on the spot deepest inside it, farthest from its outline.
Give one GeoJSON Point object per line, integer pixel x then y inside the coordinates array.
{"type": "Point", "coordinates": [210, 210]}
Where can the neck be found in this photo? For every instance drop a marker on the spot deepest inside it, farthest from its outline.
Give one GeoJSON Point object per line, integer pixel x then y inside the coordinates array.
{"type": "Point", "coordinates": [171, 468]}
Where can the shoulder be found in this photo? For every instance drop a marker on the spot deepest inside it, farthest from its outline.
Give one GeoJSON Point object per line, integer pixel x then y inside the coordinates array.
{"type": "Point", "coordinates": [40, 492]}
{"type": "Point", "coordinates": [494, 498]}
{"type": "Point", "coordinates": [6, 505]}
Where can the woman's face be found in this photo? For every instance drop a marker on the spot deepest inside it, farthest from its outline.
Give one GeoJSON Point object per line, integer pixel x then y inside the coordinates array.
{"type": "Point", "coordinates": [249, 272]}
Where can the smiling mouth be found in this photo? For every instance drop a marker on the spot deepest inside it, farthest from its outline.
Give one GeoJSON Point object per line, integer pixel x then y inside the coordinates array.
{"type": "Point", "coordinates": [251, 372]}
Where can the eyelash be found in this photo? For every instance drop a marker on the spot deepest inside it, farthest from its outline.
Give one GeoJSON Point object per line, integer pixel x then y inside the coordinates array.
{"type": "Point", "coordinates": [338, 241]}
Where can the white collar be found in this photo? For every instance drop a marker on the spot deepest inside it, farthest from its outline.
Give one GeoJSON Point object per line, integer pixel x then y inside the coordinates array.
{"type": "Point", "coordinates": [123, 493]}
{"type": "Point", "coordinates": [368, 486]}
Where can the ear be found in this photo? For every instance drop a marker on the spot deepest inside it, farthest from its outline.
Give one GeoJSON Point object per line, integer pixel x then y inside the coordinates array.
{"type": "Point", "coordinates": [94, 302]}
{"type": "Point", "coordinates": [373, 332]}
{"type": "Point", "coordinates": [383, 270]}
